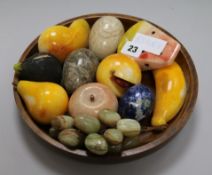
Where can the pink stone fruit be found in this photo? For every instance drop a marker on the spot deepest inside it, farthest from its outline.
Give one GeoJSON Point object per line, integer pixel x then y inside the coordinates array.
{"type": "Point", "coordinates": [90, 98]}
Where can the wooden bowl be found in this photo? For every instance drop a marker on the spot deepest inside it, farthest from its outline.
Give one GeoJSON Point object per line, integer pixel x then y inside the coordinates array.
{"type": "Point", "coordinates": [153, 140]}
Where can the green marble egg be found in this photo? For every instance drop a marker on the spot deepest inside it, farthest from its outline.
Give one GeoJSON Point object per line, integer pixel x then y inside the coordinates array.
{"type": "Point", "coordinates": [79, 68]}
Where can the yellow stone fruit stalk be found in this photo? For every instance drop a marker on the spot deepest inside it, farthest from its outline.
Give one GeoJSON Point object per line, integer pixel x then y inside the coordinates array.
{"type": "Point", "coordinates": [44, 100]}
{"type": "Point", "coordinates": [170, 93]}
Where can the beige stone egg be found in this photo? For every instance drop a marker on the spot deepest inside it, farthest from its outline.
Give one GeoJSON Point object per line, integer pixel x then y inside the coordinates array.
{"type": "Point", "coordinates": [105, 35]}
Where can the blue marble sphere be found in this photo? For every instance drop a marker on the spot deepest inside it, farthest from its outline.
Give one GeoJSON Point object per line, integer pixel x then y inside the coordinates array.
{"type": "Point", "coordinates": [137, 103]}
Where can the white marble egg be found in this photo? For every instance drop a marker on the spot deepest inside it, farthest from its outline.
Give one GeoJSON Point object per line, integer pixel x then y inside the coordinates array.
{"type": "Point", "coordinates": [105, 35]}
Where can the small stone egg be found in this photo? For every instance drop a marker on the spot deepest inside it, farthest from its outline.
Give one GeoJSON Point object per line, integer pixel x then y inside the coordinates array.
{"type": "Point", "coordinates": [105, 35]}
{"type": "Point", "coordinates": [109, 117]}
{"type": "Point", "coordinates": [62, 122]}
{"type": "Point", "coordinates": [113, 136]}
{"type": "Point", "coordinates": [96, 144]}
{"type": "Point", "coordinates": [70, 137]}
{"type": "Point", "coordinates": [131, 142]}
{"type": "Point", "coordinates": [129, 127]}
{"type": "Point", "coordinates": [79, 68]}
{"type": "Point", "coordinates": [87, 124]}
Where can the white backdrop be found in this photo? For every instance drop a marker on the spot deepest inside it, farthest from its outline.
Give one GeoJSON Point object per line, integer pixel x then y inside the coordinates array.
{"type": "Point", "coordinates": [21, 152]}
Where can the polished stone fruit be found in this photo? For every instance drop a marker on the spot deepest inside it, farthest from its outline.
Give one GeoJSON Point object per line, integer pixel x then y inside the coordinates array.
{"type": "Point", "coordinates": [44, 100]}
{"type": "Point", "coordinates": [96, 144]}
{"type": "Point", "coordinates": [171, 90]}
{"type": "Point", "coordinates": [56, 40]}
{"type": "Point", "coordinates": [137, 103]}
{"type": "Point", "coordinates": [113, 136]}
{"type": "Point", "coordinates": [54, 132]}
{"type": "Point", "coordinates": [87, 124]}
{"type": "Point", "coordinates": [129, 127]}
{"type": "Point", "coordinates": [90, 98]}
{"type": "Point", "coordinates": [109, 117]}
{"type": "Point", "coordinates": [70, 137]}
{"type": "Point", "coordinates": [61, 40]}
{"type": "Point", "coordinates": [118, 72]}
{"type": "Point", "coordinates": [39, 67]}
{"type": "Point", "coordinates": [105, 35]}
{"type": "Point", "coordinates": [131, 142]}
{"type": "Point", "coordinates": [62, 122]}
{"type": "Point", "coordinates": [79, 68]}
{"type": "Point", "coordinates": [146, 59]}
{"type": "Point", "coordinates": [80, 31]}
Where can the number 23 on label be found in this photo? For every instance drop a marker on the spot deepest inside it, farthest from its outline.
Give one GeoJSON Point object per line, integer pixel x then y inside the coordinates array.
{"type": "Point", "coordinates": [131, 49]}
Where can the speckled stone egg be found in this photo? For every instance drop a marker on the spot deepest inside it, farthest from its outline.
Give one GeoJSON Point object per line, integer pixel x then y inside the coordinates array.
{"type": "Point", "coordinates": [79, 68]}
{"type": "Point", "coordinates": [105, 35]}
{"type": "Point", "coordinates": [137, 103]}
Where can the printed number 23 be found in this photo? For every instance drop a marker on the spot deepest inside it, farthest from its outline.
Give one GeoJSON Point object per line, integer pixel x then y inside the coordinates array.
{"type": "Point", "coordinates": [132, 48]}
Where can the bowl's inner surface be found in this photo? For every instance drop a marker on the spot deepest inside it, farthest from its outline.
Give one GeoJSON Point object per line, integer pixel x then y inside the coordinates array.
{"type": "Point", "coordinates": [155, 139]}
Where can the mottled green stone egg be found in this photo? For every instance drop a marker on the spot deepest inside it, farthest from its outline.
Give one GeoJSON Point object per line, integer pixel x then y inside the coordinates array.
{"type": "Point", "coordinates": [79, 68]}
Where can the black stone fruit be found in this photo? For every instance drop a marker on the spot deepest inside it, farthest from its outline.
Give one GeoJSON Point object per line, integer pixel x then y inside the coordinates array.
{"type": "Point", "coordinates": [39, 67]}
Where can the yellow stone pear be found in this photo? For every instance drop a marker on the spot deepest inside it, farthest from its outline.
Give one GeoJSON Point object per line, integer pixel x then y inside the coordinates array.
{"type": "Point", "coordinates": [60, 40]}
{"type": "Point", "coordinates": [44, 100]}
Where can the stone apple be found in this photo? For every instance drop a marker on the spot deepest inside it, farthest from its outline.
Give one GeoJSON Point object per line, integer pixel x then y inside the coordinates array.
{"type": "Point", "coordinates": [90, 98]}
{"type": "Point", "coordinates": [118, 72]}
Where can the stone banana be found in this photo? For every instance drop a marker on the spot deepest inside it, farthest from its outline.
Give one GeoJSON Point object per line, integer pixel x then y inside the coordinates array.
{"type": "Point", "coordinates": [170, 93]}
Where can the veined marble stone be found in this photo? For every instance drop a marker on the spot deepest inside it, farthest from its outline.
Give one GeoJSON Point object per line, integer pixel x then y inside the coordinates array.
{"type": "Point", "coordinates": [79, 68]}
